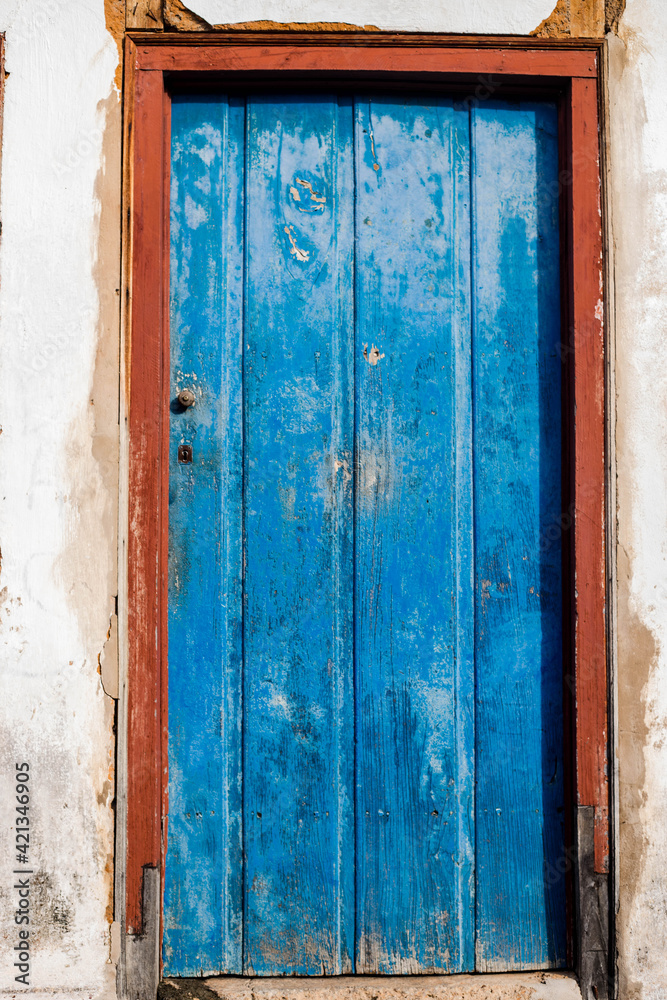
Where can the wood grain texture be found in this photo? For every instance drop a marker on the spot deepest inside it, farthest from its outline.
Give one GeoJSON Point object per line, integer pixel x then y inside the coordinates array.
{"type": "Point", "coordinates": [143, 14]}
{"type": "Point", "coordinates": [413, 530]}
{"type": "Point", "coordinates": [254, 33]}
{"type": "Point", "coordinates": [298, 696]}
{"type": "Point", "coordinates": [140, 973]}
{"type": "Point", "coordinates": [391, 54]}
{"type": "Point", "coordinates": [517, 474]}
{"type": "Point", "coordinates": [146, 497]}
{"type": "Point", "coordinates": [398, 379]}
{"type": "Point", "coordinates": [145, 768]}
{"type": "Point", "coordinates": [202, 904]}
{"type": "Point", "coordinates": [586, 344]}
{"type": "Point", "coordinates": [594, 969]}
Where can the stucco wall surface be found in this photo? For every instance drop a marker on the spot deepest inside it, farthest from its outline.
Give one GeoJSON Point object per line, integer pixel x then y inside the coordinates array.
{"type": "Point", "coordinates": [59, 280]}
{"type": "Point", "coordinates": [58, 471]}
{"type": "Point", "coordinates": [638, 175]}
{"type": "Point", "coordinates": [515, 17]}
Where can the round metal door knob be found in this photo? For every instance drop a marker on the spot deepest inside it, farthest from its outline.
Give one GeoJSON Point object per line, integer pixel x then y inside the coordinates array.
{"type": "Point", "coordinates": [186, 397]}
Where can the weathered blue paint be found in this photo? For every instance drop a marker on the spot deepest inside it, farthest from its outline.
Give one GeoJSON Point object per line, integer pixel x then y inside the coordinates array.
{"type": "Point", "coordinates": [298, 694]}
{"type": "Point", "coordinates": [518, 637]}
{"type": "Point", "coordinates": [365, 716]}
{"type": "Point", "coordinates": [203, 880]}
{"type": "Point", "coordinates": [413, 573]}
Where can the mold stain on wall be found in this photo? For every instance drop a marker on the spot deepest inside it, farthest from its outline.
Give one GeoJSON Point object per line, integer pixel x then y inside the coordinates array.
{"type": "Point", "coordinates": [636, 656]}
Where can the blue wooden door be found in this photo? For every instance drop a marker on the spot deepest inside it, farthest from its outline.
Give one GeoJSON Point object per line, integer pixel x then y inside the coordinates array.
{"type": "Point", "coordinates": [365, 626]}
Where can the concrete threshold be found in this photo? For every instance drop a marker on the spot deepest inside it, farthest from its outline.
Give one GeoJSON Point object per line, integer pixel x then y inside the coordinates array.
{"type": "Point", "coordinates": [501, 986]}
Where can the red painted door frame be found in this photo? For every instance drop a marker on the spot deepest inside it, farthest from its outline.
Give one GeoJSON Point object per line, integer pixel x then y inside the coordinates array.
{"type": "Point", "coordinates": [155, 62]}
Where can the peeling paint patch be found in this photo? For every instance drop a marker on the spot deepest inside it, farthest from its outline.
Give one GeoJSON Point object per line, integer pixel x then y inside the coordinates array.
{"type": "Point", "coordinates": [372, 356]}
{"type": "Point", "coordinates": [319, 199]}
{"type": "Point", "coordinates": [178, 17]}
{"type": "Point", "coordinates": [108, 660]}
{"type": "Point", "coordinates": [114, 17]}
{"type": "Point", "coordinates": [557, 24]}
{"type": "Point", "coordinates": [195, 214]}
{"type": "Point", "coordinates": [574, 19]}
{"type": "Point", "coordinates": [376, 165]}
{"type": "Point", "coordinates": [300, 255]}
{"type": "Point", "coordinates": [345, 466]}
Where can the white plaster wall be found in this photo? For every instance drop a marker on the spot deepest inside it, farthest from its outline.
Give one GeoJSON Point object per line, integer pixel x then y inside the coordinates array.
{"type": "Point", "coordinates": [507, 17]}
{"type": "Point", "coordinates": [56, 508]}
{"type": "Point", "coordinates": [57, 453]}
{"type": "Point", "coordinates": [638, 132]}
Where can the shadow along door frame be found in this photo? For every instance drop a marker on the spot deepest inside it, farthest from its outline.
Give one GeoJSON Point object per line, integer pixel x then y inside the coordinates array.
{"type": "Point", "coordinates": [479, 67]}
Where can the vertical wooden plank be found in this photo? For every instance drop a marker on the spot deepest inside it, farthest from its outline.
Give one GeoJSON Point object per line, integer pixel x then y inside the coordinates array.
{"type": "Point", "coordinates": [203, 887]}
{"type": "Point", "coordinates": [517, 474]}
{"type": "Point", "coordinates": [164, 527]}
{"type": "Point", "coordinates": [146, 502]}
{"type": "Point", "coordinates": [298, 729]}
{"type": "Point", "coordinates": [569, 588]}
{"type": "Point", "coordinates": [413, 609]}
{"type": "Point", "coordinates": [587, 344]}
{"type": "Point", "coordinates": [586, 355]}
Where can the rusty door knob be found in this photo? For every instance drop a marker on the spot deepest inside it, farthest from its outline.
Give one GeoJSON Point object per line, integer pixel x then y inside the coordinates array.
{"type": "Point", "coordinates": [186, 397]}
